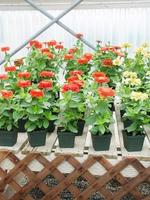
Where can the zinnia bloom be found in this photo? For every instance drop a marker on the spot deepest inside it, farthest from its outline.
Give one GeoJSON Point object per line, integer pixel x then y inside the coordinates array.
{"type": "Point", "coordinates": [76, 73]}
{"type": "Point", "coordinates": [44, 50]}
{"type": "Point", "coordinates": [104, 49]}
{"type": "Point", "coordinates": [102, 79]}
{"type": "Point", "coordinates": [52, 43]}
{"type": "Point", "coordinates": [82, 61]}
{"type": "Point", "coordinates": [5, 49]}
{"type": "Point", "coordinates": [107, 62]}
{"type": "Point", "coordinates": [24, 84]}
{"type": "Point", "coordinates": [80, 83]}
{"type": "Point", "coordinates": [36, 93]}
{"type": "Point", "coordinates": [73, 50]}
{"type": "Point", "coordinates": [49, 55]}
{"type": "Point", "coordinates": [36, 44]}
{"type": "Point", "coordinates": [24, 74]}
{"type": "Point", "coordinates": [3, 76]}
{"type": "Point", "coordinates": [88, 56]}
{"type": "Point", "coordinates": [6, 94]}
{"type": "Point", "coordinates": [72, 78]}
{"type": "Point", "coordinates": [68, 57]}
{"type": "Point", "coordinates": [106, 92]}
{"type": "Point", "coordinates": [47, 74]}
{"type": "Point", "coordinates": [47, 84]}
{"type": "Point", "coordinates": [98, 74]}
{"type": "Point", "coordinates": [10, 69]}
{"type": "Point", "coordinates": [71, 87]}
{"type": "Point", "coordinates": [59, 46]}
{"type": "Point", "coordinates": [79, 35]}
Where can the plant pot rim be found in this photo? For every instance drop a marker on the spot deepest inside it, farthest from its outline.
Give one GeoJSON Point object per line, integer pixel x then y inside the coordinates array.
{"type": "Point", "coordinates": [131, 134]}
{"type": "Point", "coordinates": [11, 131]}
{"type": "Point", "coordinates": [34, 131]}
{"type": "Point", "coordinates": [105, 134]}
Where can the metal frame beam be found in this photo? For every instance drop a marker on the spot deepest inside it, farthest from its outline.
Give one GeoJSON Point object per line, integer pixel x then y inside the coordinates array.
{"type": "Point", "coordinates": [44, 28]}
{"type": "Point", "coordinates": [59, 23]}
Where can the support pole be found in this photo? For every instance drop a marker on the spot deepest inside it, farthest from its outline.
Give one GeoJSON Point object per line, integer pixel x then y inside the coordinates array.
{"type": "Point", "coordinates": [59, 23]}
{"type": "Point", "coordinates": [44, 28]}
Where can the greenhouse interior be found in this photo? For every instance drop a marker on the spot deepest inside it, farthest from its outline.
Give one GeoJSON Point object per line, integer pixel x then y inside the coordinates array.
{"type": "Point", "coordinates": [74, 100]}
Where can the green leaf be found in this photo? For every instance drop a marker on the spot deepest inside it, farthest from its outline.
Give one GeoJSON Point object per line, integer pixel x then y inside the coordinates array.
{"type": "Point", "coordinates": [91, 119]}
{"type": "Point", "coordinates": [33, 117]}
{"type": "Point", "coordinates": [46, 123]}
{"type": "Point", "coordinates": [132, 127]}
{"type": "Point", "coordinates": [72, 128]}
{"type": "Point", "coordinates": [31, 127]}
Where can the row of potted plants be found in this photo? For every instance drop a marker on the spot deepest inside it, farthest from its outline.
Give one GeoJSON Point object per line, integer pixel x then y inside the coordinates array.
{"type": "Point", "coordinates": [34, 97]}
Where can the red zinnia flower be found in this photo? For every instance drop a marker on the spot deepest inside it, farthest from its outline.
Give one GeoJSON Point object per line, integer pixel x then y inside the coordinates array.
{"type": "Point", "coordinates": [72, 78]}
{"type": "Point", "coordinates": [36, 93]}
{"type": "Point", "coordinates": [72, 87]}
{"type": "Point", "coordinates": [80, 83]}
{"type": "Point", "coordinates": [68, 57]}
{"type": "Point", "coordinates": [106, 92]}
{"type": "Point", "coordinates": [36, 44]}
{"type": "Point", "coordinates": [24, 74]}
{"type": "Point", "coordinates": [44, 50]}
{"type": "Point", "coordinates": [107, 62]}
{"type": "Point", "coordinates": [59, 46]}
{"type": "Point", "coordinates": [6, 94]}
{"type": "Point", "coordinates": [82, 61]}
{"type": "Point", "coordinates": [3, 76]}
{"type": "Point", "coordinates": [88, 56]}
{"type": "Point", "coordinates": [24, 84]}
{"type": "Point", "coordinates": [52, 43]}
{"type": "Point", "coordinates": [49, 54]}
{"type": "Point", "coordinates": [76, 73]}
{"type": "Point", "coordinates": [48, 74]}
{"type": "Point", "coordinates": [104, 49]}
{"type": "Point", "coordinates": [10, 69]}
{"type": "Point", "coordinates": [120, 54]}
{"type": "Point", "coordinates": [98, 74]}
{"type": "Point", "coordinates": [102, 79]}
{"type": "Point", "coordinates": [5, 49]}
{"type": "Point", "coordinates": [79, 35]}
{"type": "Point", "coordinates": [47, 84]}
{"type": "Point", "coordinates": [73, 50]}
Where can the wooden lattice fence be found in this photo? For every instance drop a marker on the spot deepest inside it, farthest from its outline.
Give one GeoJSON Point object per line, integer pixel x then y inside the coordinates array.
{"type": "Point", "coordinates": [24, 188]}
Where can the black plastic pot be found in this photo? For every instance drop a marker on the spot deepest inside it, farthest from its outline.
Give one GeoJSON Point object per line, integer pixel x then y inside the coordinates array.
{"type": "Point", "coordinates": [21, 125]}
{"type": "Point", "coordinates": [80, 126]}
{"type": "Point", "coordinates": [37, 138]}
{"type": "Point", "coordinates": [51, 127]}
{"type": "Point", "coordinates": [101, 142]}
{"type": "Point", "coordinates": [8, 138]}
{"type": "Point", "coordinates": [133, 143]}
{"type": "Point", "coordinates": [66, 139]}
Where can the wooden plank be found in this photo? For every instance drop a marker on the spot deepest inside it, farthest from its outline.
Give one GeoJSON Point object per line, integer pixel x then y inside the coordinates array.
{"type": "Point", "coordinates": [147, 130]}
{"type": "Point", "coordinates": [142, 155]}
{"type": "Point", "coordinates": [78, 150]}
{"type": "Point", "coordinates": [46, 149]}
{"type": "Point", "coordinates": [21, 142]}
{"type": "Point", "coordinates": [112, 152]}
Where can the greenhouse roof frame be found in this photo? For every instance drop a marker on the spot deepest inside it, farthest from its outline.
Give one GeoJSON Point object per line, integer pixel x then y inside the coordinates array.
{"type": "Point", "coordinates": [63, 4]}
{"type": "Point", "coordinates": [54, 20]}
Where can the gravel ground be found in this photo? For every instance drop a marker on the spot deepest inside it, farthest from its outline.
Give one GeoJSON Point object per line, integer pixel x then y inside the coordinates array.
{"type": "Point", "coordinates": [81, 183]}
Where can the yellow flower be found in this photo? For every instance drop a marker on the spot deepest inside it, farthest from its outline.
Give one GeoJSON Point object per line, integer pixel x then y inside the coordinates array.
{"type": "Point", "coordinates": [139, 96]}
{"type": "Point", "coordinates": [128, 74]}
{"type": "Point", "coordinates": [117, 62]}
{"type": "Point", "coordinates": [148, 73]}
{"type": "Point", "coordinates": [146, 54]}
{"type": "Point", "coordinates": [145, 45]}
{"type": "Point", "coordinates": [135, 81]}
{"type": "Point", "coordinates": [140, 50]}
{"type": "Point", "coordinates": [126, 45]}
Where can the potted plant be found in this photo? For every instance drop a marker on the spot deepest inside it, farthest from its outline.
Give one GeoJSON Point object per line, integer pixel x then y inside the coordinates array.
{"type": "Point", "coordinates": [72, 107]}
{"type": "Point", "coordinates": [99, 117]}
{"type": "Point", "coordinates": [134, 118]}
{"type": "Point", "coordinates": [8, 124]}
